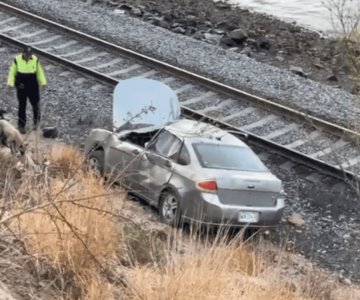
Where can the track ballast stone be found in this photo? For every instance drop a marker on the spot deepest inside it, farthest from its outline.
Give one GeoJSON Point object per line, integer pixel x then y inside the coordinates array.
{"type": "Point", "coordinates": [234, 69]}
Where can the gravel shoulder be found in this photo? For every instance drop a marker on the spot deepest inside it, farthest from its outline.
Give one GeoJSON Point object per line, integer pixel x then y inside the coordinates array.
{"type": "Point", "coordinates": [229, 67]}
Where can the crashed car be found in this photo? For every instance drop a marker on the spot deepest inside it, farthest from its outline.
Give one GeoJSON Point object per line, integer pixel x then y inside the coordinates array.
{"type": "Point", "coordinates": [191, 171]}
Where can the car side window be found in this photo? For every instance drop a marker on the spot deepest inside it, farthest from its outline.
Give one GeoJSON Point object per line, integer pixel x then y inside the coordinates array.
{"type": "Point", "coordinates": [184, 156]}
{"type": "Point", "coordinates": [167, 145]}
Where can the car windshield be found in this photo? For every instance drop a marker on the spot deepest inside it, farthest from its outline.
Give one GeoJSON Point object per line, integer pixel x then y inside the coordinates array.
{"type": "Point", "coordinates": [229, 157]}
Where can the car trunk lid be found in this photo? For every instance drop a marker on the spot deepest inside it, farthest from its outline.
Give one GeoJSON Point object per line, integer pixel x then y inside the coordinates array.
{"type": "Point", "coordinates": [248, 189]}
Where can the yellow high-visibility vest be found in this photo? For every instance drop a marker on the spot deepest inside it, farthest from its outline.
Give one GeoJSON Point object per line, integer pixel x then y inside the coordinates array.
{"type": "Point", "coordinates": [21, 66]}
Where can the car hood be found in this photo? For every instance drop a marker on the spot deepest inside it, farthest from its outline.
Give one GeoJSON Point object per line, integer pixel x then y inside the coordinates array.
{"type": "Point", "coordinates": [141, 104]}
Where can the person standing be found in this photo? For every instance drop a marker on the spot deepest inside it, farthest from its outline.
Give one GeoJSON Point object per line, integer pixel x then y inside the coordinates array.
{"type": "Point", "coordinates": [26, 74]}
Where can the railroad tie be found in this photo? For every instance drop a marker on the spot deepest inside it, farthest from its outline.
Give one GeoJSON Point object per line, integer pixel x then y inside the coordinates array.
{"type": "Point", "coordinates": [124, 71]}
{"type": "Point", "coordinates": [7, 29]}
{"type": "Point", "coordinates": [350, 163]}
{"type": "Point", "coordinates": [339, 144]}
{"type": "Point", "coordinates": [198, 99]}
{"type": "Point", "coordinates": [91, 58]}
{"type": "Point", "coordinates": [240, 113]}
{"type": "Point", "coordinates": [259, 123]}
{"type": "Point", "coordinates": [281, 131]}
{"type": "Point", "coordinates": [108, 64]}
{"type": "Point", "coordinates": [222, 104]}
{"type": "Point", "coordinates": [50, 39]}
{"type": "Point", "coordinates": [62, 46]}
{"type": "Point", "coordinates": [8, 20]}
{"type": "Point", "coordinates": [30, 34]}
{"type": "Point", "coordinates": [313, 135]}
{"type": "Point", "coordinates": [76, 52]}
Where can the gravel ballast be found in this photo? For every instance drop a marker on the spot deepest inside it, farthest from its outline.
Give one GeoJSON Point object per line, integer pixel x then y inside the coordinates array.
{"type": "Point", "coordinates": [225, 66]}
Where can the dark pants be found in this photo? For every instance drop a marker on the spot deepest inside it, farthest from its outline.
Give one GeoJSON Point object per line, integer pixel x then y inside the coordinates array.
{"type": "Point", "coordinates": [33, 94]}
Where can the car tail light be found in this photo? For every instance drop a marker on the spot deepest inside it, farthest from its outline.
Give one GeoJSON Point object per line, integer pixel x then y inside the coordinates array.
{"type": "Point", "coordinates": [207, 185]}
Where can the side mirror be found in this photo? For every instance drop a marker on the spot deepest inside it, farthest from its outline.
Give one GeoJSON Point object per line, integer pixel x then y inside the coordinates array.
{"type": "Point", "coordinates": [239, 134]}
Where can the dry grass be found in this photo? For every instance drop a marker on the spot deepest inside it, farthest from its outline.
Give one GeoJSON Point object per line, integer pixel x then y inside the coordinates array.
{"type": "Point", "coordinates": [68, 224]}
{"type": "Point", "coordinates": [97, 289]}
{"type": "Point", "coordinates": [67, 159]}
{"type": "Point", "coordinates": [217, 271]}
{"type": "Point", "coordinates": [66, 220]}
{"type": "Point", "coordinates": [7, 165]}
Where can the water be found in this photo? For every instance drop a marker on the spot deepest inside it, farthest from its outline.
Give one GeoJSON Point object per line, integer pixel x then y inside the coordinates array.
{"type": "Point", "coordinates": [308, 13]}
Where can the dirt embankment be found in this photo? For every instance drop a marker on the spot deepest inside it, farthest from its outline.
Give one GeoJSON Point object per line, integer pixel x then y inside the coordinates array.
{"type": "Point", "coordinates": [256, 35]}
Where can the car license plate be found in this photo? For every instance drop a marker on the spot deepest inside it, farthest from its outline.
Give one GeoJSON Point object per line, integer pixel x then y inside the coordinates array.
{"type": "Point", "coordinates": [249, 217]}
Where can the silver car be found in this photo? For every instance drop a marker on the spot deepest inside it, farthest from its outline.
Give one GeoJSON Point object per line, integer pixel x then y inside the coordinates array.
{"type": "Point", "coordinates": [189, 170]}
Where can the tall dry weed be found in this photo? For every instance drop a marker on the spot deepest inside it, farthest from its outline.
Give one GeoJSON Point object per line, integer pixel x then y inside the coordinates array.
{"type": "Point", "coordinates": [97, 289]}
{"type": "Point", "coordinates": [66, 159]}
{"type": "Point", "coordinates": [62, 228]}
{"type": "Point", "coordinates": [69, 223]}
{"type": "Point", "coordinates": [218, 270]}
{"type": "Point", "coordinates": [7, 166]}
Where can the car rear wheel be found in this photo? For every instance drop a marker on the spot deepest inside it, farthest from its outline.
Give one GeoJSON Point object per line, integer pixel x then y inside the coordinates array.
{"type": "Point", "coordinates": [169, 208]}
{"type": "Point", "coordinates": [96, 162]}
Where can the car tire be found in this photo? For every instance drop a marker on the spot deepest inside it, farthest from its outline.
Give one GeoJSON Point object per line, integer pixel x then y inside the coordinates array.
{"type": "Point", "coordinates": [96, 161]}
{"type": "Point", "coordinates": [169, 208]}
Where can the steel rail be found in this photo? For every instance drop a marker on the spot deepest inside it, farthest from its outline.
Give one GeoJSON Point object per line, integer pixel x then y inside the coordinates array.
{"type": "Point", "coordinates": [212, 84]}
{"type": "Point", "coordinates": [291, 154]}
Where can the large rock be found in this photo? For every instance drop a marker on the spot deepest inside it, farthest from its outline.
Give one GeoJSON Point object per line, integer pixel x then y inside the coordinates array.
{"type": "Point", "coordinates": [238, 35]}
{"type": "Point", "coordinates": [332, 77]}
{"type": "Point", "coordinates": [225, 40]}
{"type": "Point", "coordinates": [125, 7]}
{"type": "Point", "coordinates": [213, 39]}
{"type": "Point", "coordinates": [298, 71]}
{"type": "Point", "coordinates": [136, 11]}
{"type": "Point", "coordinates": [178, 29]}
{"type": "Point", "coordinates": [159, 21]}
{"type": "Point", "coordinates": [188, 21]}
{"type": "Point", "coordinates": [198, 35]}
{"type": "Point", "coordinates": [223, 5]}
{"type": "Point", "coordinates": [296, 220]}
{"type": "Point", "coordinates": [263, 44]}
{"type": "Point", "coordinates": [50, 132]}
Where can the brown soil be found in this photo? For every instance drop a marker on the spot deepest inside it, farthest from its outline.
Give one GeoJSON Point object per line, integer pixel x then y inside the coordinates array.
{"type": "Point", "coordinates": [268, 40]}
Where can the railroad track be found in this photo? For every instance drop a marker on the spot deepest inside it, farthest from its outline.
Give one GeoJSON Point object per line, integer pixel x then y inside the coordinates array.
{"type": "Point", "coordinates": [319, 144]}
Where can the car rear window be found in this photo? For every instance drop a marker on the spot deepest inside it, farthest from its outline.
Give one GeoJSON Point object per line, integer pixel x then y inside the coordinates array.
{"type": "Point", "coordinates": [229, 157]}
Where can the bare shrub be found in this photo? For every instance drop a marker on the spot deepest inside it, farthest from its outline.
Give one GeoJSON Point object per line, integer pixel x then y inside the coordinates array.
{"type": "Point", "coordinates": [345, 16]}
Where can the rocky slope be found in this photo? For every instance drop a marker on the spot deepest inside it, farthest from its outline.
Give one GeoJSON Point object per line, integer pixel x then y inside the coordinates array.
{"type": "Point", "coordinates": [266, 39]}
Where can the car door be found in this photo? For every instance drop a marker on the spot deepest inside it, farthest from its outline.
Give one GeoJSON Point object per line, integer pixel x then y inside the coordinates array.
{"type": "Point", "coordinates": [124, 160]}
{"type": "Point", "coordinates": [158, 164]}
